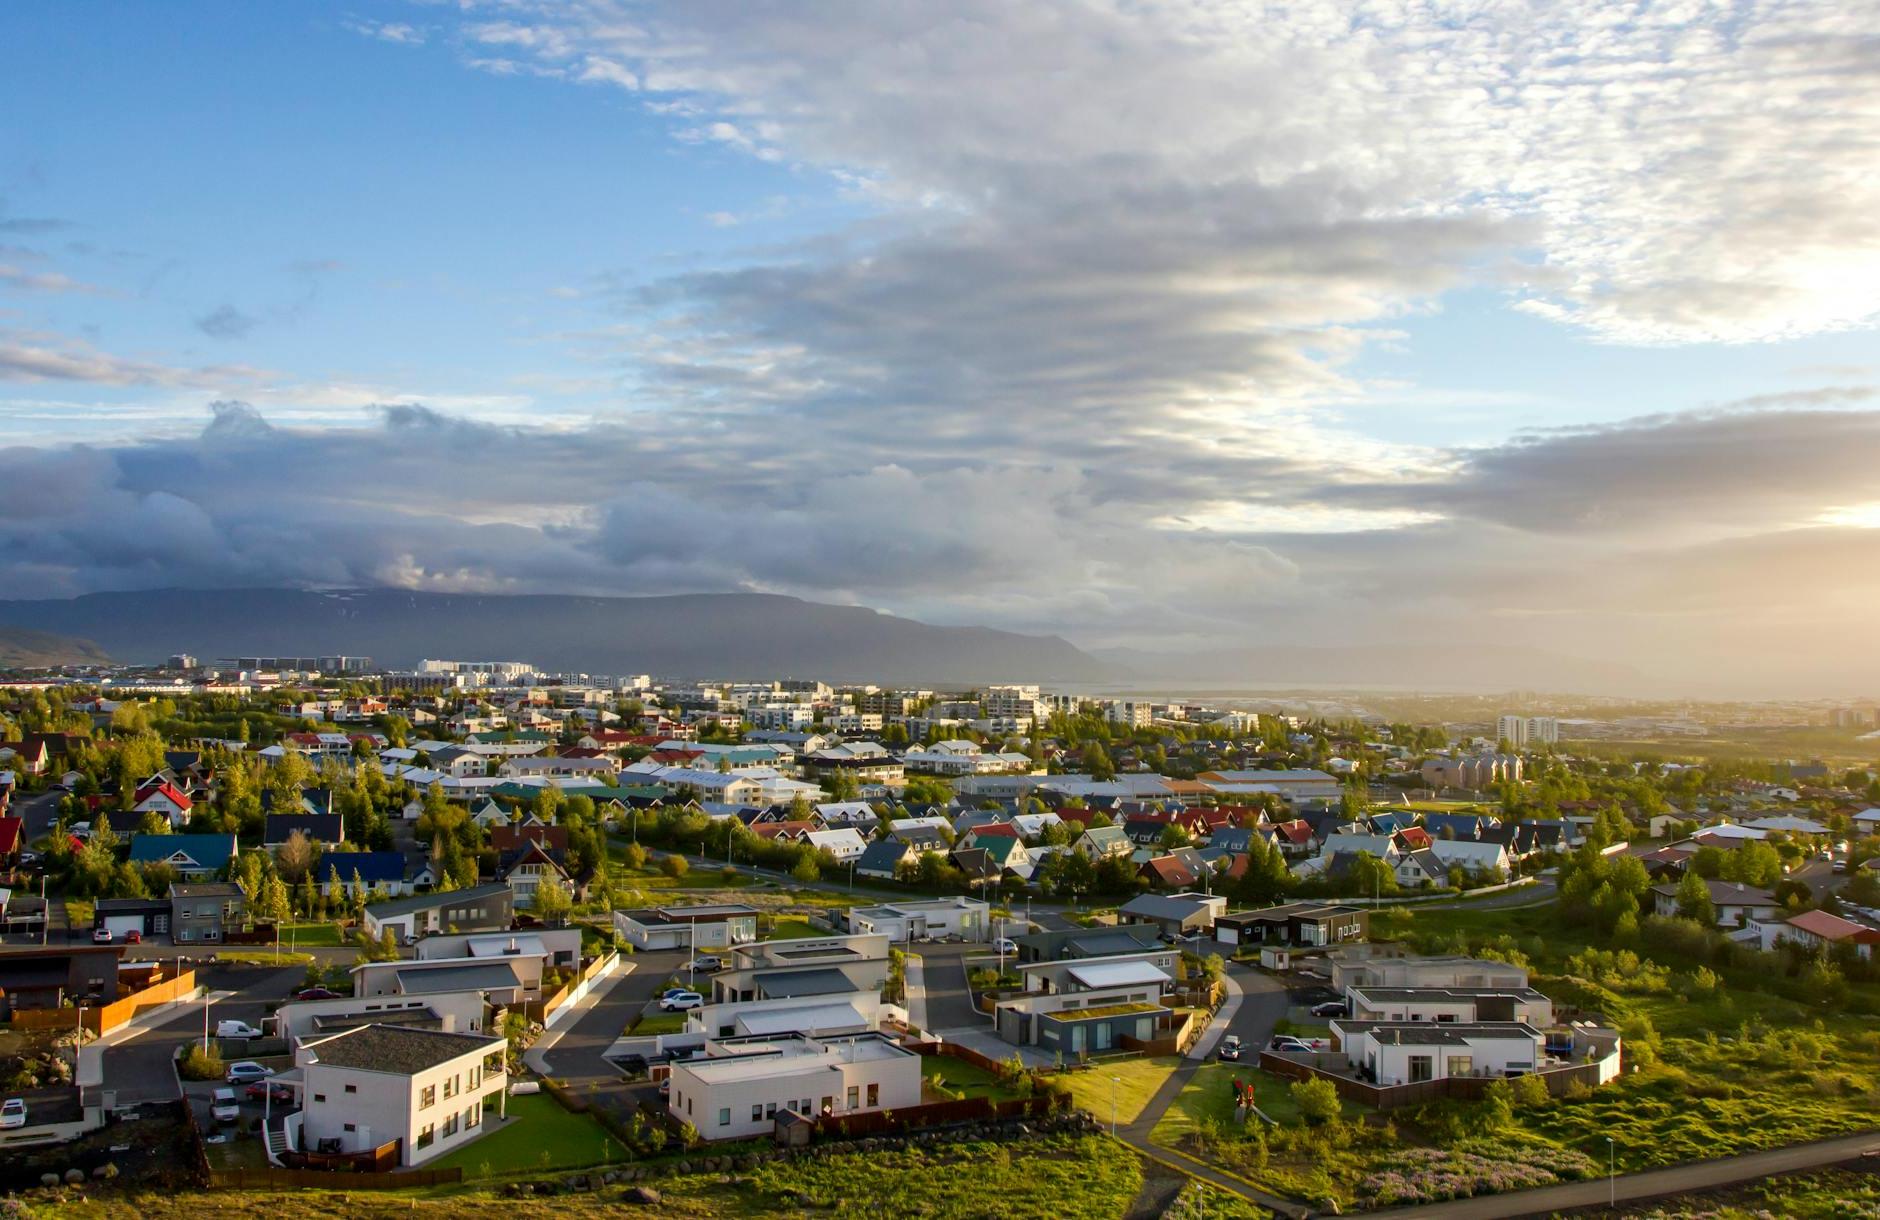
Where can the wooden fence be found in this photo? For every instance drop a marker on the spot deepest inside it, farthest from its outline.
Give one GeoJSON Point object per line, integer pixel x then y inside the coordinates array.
{"type": "Point", "coordinates": [103, 1018]}
{"type": "Point", "coordinates": [955, 1050]}
{"type": "Point", "coordinates": [319, 1179]}
{"type": "Point", "coordinates": [1396, 1096]}
{"type": "Point", "coordinates": [937, 1114]}
{"type": "Point", "coordinates": [545, 1010]}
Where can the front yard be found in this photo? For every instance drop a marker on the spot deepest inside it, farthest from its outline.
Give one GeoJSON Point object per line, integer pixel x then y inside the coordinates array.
{"type": "Point", "coordinates": [539, 1137]}
{"type": "Point", "coordinates": [1129, 1082]}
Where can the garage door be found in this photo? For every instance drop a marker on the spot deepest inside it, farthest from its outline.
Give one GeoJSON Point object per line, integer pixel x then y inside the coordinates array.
{"type": "Point", "coordinates": [1227, 934]}
{"type": "Point", "coordinates": [120, 924]}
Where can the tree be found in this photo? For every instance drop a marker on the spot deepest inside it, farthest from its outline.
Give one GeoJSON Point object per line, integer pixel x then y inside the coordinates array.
{"type": "Point", "coordinates": [1371, 875]}
{"type": "Point", "coordinates": [1316, 1100]}
{"type": "Point", "coordinates": [806, 870]}
{"type": "Point", "coordinates": [270, 905]}
{"type": "Point", "coordinates": [635, 857]}
{"type": "Point", "coordinates": [553, 902]}
{"type": "Point", "coordinates": [296, 857]}
{"type": "Point", "coordinates": [1694, 900]}
{"type": "Point", "coordinates": [1097, 762]}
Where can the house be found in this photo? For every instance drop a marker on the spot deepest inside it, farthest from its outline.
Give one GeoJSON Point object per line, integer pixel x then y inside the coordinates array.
{"type": "Point", "coordinates": [163, 798]}
{"type": "Point", "coordinates": [1446, 1005]}
{"type": "Point", "coordinates": [481, 908]}
{"type": "Point", "coordinates": [742, 1084]}
{"type": "Point", "coordinates": [705, 926]}
{"type": "Point", "coordinates": [424, 1089]}
{"type": "Point", "coordinates": [37, 978]}
{"type": "Point", "coordinates": [1395, 1052]}
{"type": "Point", "coordinates": [932, 919]}
{"type": "Point", "coordinates": [1384, 847]}
{"type": "Point", "coordinates": [1472, 855]}
{"type": "Point", "coordinates": [883, 858]}
{"type": "Point", "coordinates": [1290, 785]}
{"type": "Point", "coordinates": [505, 981]}
{"type": "Point", "coordinates": [120, 916]}
{"type": "Point", "coordinates": [1454, 825]}
{"type": "Point", "coordinates": [1174, 914]}
{"type": "Point", "coordinates": [817, 971]}
{"type": "Point", "coordinates": [1086, 1006]}
{"type": "Point", "coordinates": [325, 829]}
{"type": "Point", "coordinates": [449, 1011]}
{"type": "Point", "coordinates": [844, 845]}
{"type": "Point", "coordinates": [1820, 930]}
{"type": "Point", "coordinates": [1305, 924]}
{"type": "Point", "coordinates": [190, 857]}
{"type": "Point", "coordinates": [1099, 843]}
{"type": "Point", "coordinates": [204, 911]}
{"type": "Point", "coordinates": [1358, 967]}
{"type": "Point", "coordinates": [12, 836]}
{"type": "Point", "coordinates": [1736, 904]}
{"type": "Point", "coordinates": [526, 869]}
{"type": "Point", "coordinates": [1174, 871]}
{"type": "Point", "coordinates": [352, 872]}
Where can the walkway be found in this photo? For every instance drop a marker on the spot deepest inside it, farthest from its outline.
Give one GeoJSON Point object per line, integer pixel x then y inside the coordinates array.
{"type": "Point", "coordinates": [1653, 1184]}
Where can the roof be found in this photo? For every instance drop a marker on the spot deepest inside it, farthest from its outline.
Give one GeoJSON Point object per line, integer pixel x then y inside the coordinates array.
{"type": "Point", "coordinates": [1163, 906]}
{"type": "Point", "coordinates": [1427, 1033]}
{"type": "Point", "coordinates": [437, 898]}
{"type": "Point", "coordinates": [820, 981]}
{"type": "Point", "coordinates": [423, 978]}
{"type": "Point", "coordinates": [1833, 927]}
{"type": "Point", "coordinates": [372, 866]}
{"type": "Point", "coordinates": [207, 850]}
{"type": "Point", "coordinates": [11, 829]}
{"type": "Point", "coordinates": [399, 1050]}
{"type": "Point", "coordinates": [320, 827]}
{"type": "Point", "coordinates": [1727, 893]}
{"type": "Point", "coordinates": [204, 889]}
{"type": "Point", "coordinates": [809, 1019]}
{"type": "Point", "coordinates": [882, 855]}
{"type": "Point", "coordinates": [1100, 973]}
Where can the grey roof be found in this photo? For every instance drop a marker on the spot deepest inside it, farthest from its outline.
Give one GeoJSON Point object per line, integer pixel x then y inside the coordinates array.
{"type": "Point", "coordinates": [205, 889]}
{"type": "Point", "coordinates": [414, 1018]}
{"type": "Point", "coordinates": [436, 898]}
{"type": "Point", "coordinates": [398, 1049]}
{"type": "Point", "coordinates": [1428, 1033]}
{"type": "Point", "coordinates": [1440, 993]}
{"type": "Point", "coordinates": [1112, 941]}
{"type": "Point", "coordinates": [776, 983]}
{"type": "Point", "coordinates": [419, 979]}
{"type": "Point", "coordinates": [1162, 906]}
{"type": "Point", "coordinates": [1285, 912]}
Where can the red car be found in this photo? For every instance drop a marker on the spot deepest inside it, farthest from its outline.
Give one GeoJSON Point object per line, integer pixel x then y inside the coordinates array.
{"type": "Point", "coordinates": [133, 938]}
{"type": "Point", "coordinates": [259, 1089]}
{"type": "Point", "coordinates": [316, 993]}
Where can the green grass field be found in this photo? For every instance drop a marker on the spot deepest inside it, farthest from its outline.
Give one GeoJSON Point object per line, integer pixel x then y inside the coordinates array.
{"type": "Point", "coordinates": [540, 1137]}
{"type": "Point", "coordinates": [1209, 1097]}
{"type": "Point", "coordinates": [312, 935]}
{"type": "Point", "coordinates": [657, 1022]}
{"type": "Point", "coordinates": [792, 929]}
{"type": "Point", "coordinates": [1131, 1082]}
{"type": "Point", "coordinates": [959, 1076]}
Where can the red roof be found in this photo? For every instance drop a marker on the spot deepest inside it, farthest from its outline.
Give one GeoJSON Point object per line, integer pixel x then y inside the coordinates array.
{"type": "Point", "coordinates": [166, 788]}
{"type": "Point", "coordinates": [11, 829]}
{"type": "Point", "coordinates": [1414, 837]}
{"type": "Point", "coordinates": [1001, 829]}
{"type": "Point", "coordinates": [1170, 870]}
{"type": "Point", "coordinates": [1833, 927]}
{"type": "Point", "coordinates": [1296, 831]}
{"type": "Point", "coordinates": [508, 838]}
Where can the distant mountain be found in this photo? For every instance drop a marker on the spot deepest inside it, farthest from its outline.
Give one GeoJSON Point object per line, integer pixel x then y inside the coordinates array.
{"type": "Point", "coordinates": [1440, 667]}
{"type": "Point", "coordinates": [699, 635]}
{"type": "Point", "coordinates": [23, 649]}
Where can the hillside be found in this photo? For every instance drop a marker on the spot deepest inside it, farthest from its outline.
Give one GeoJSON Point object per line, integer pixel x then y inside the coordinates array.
{"type": "Point", "coordinates": [700, 635]}
{"type": "Point", "coordinates": [21, 648]}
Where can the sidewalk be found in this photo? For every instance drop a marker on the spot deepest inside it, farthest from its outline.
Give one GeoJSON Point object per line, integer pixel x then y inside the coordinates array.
{"type": "Point", "coordinates": [914, 974]}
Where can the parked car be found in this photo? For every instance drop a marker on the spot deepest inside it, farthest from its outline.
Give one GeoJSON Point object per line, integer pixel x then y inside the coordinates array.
{"type": "Point", "coordinates": [316, 993]}
{"type": "Point", "coordinates": [1331, 1008]}
{"type": "Point", "coordinates": [224, 1106]}
{"type": "Point", "coordinates": [29, 859]}
{"type": "Point", "coordinates": [1230, 1047]}
{"type": "Point", "coordinates": [247, 1072]}
{"type": "Point", "coordinates": [673, 991]}
{"type": "Point", "coordinates": [708, 962]}
{"type": "Point", "coordinates": [682, 1002]}
{"type": "Point", "coordinates": [101, 936]}
{"type": "Point", "coordinates": [1286, 1042]}
{"type": "Point", "coordinates": [13, 1112]}
{"type": "Point", "coordinates": [236, 1029]}
{"type": "Point", "coordinates": [1005, 944]}
{"type": "Point", "coordinates": [260, 1089]}
{"type": "Point", "coordinates": [133, 937]}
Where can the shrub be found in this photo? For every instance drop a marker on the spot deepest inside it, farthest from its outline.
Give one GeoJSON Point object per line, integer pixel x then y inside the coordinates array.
{"type": "Point", "coordinates": [1316, 1098]}
{"type": "Point", "coordinates": [201, 1065]}
{"type": "Point", "coordinates": [675, 866]}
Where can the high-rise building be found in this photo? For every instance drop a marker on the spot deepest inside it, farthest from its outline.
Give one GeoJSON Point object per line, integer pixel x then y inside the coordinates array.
{"type": "Point", "coordinates": [1520, 731]}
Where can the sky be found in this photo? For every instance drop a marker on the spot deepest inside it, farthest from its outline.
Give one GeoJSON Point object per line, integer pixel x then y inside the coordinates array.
{"type": "Point", "coordinates": [1175, 326]}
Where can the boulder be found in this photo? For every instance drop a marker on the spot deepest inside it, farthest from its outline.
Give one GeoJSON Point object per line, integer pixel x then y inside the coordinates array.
{"type": "Point", "coordinates": [641, 1194]}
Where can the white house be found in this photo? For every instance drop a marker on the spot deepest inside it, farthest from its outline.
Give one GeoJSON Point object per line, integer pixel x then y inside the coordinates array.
{"type": "Point", "coordinates": [845, 844]}
{"type": "Point", "coordinates": [1395, 1052]}
{"type": "Point", "coordinates": [1735, 904]}
{"type": "Point", "coordinates": [1471, 855]}
{"type": "Point", "coordinates": [737, 1090]}
{"type": "Point", "coordinates": [454, 1012]}
{"type": "Point", "coordinates": [705, 926]}
{"type": "Point", "coordinates": [378, 1083]}
{"type": "Point", "coordinates": [966, 918]}
{"type": "Point", "coordinates": [1450, 1005]}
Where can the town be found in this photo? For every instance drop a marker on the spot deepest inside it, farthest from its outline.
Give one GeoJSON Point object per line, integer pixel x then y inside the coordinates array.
{"type": "Point", "coordinates": [302, 921]}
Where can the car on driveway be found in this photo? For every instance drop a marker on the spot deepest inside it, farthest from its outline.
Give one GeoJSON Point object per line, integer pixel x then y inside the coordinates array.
{"type": "Point", "coordinates": [316, 993]}
{"type": "Point", "coordinates": [247, 1072]}
{"type": "Point", "coordinates": [236, 1029]}
{"type": "Point", "coordinates": [1331, 1008]}
{"type": "Point", "coordinates": [259, 1090]}
{"type": "Point", "coordinates": [13, 1112]}
{"type": "Point", "coordinates": [708, 962]}
{"type": "Point", "coordinates": [1005, 944]}
{"type": "Point", "coordinates": [224, 1107]}
{"type": "Point", "coordinates": [101, 936]}
{"type": "Point", "coordinates": [683, 1001]}
{"type": "Point", "coordinates": [1230, 1047]}
{"type": "Point", "coordinates": [1286, 1042]}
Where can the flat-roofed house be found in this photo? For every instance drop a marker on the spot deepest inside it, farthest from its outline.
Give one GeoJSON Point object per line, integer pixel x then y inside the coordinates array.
{"type": "Point", "coordinates": [739, 1088]}
{"type": "Point", "coordinates": [704, 926]}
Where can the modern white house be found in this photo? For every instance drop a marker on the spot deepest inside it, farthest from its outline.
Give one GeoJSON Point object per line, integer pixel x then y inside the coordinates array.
{"type": "Point", "coordinates": [453, 1012]}
{"type": "Point", "coordinates": [1088, 1005]}
{"type": "Point", "coordinates": [705, 926]}
{"type": "Point", "coordinates": [1357, 969]}
{"type": "Point", "coordinates": [369, 1086]}
{"type": "Point", "coordinates": [844, 844]}
{"type": "Point", "coordinates": [1451, 1005]}
{"type": "Point", "coordinates": [737, 1090]}
{"type": "Point", "coordinates": [1396, 1052]}
{"type": "Point", "coordinates": [966, 918]}
{"type": "Point", "coordinates": [505, 981]}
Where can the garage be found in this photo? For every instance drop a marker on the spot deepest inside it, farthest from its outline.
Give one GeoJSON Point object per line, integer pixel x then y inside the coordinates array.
{"type": "Point", "coordinates": [120, 916]}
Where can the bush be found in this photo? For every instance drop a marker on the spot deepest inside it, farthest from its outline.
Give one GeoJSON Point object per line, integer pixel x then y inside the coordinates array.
{"type": "Point", "coordinates": [1316, 1098]}
{"type": "Point", "coordinates": [201, 1065]}
{"type": "Point", "coordinates": [675, 866]}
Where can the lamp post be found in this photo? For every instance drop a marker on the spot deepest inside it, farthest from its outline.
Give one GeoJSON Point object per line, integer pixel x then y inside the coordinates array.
{"type": "Point", "coordinates": [1612, 1180]}
{"type": "Point", "coordinates": [205, 1020]}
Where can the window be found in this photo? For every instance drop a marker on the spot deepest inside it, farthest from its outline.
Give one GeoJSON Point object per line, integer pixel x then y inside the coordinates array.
{"type": "Point", "coordinates": [450, 1126]}
{"type": "Point", "coordinates": [473, 1117]}
{"type": "Point", "coordinates": [352, 1088]}
{"type": "Point", "coordinates": [855, 1098]}
{"type": "Point", "coordinates": [1421, 1068]}
{"type": "Point", "coordinates": [724, 1116]}
{"type": "Point", "coordinates": [770, 1110]}
{"type": "Point", "coordinates": [476, 1076]}
{"type": "Point", "coordinates": [1462, 1065]}
{"type": "Point", "coordinates": [427, 1134]}
{"type": "Point", "coordinates": [874, 1096]}
{"type": "Point", "coordinates": [757, 1112]}
{"type": "Point", "coordinates": [427, 1097]}
{"type": "Point", "coordinates": [450, 1086]}
{"type": "Point", "coordinates": [320, 1097]}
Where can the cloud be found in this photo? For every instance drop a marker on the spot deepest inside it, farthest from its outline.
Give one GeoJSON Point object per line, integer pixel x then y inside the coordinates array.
{"type": "Point", "coordinates": [35, 356]}
{"type": "Point", "coordinates": [389, 31]}
{"type": "Point", "coordinates": [226, 322]}
{"type": "Point", "coordinates": [41, 281]}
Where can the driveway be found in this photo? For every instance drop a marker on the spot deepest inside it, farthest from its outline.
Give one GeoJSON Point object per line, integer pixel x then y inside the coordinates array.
{"type": "Point", "coordinates": [949, 1001]}
{"type": "Point", "coordinates": [139, 1069]}
{"type": "Point", "coordinates": [578, 1048]}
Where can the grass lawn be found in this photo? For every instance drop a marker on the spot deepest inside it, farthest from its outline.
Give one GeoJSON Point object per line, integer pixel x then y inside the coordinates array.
{"type": "Point", "coordinates": [793, 929]}
{"type": "Point", "coordinates": [1136, 1081]}
{"type": "Point", "coordinates": [263, 957]}
{"type": "Point", "coordinates": [1209, 1096]}
{"type": "Point", "coordinates": [242, 1152]}
{"type": "Point", "coordinates": [657, 1022]}
{"type": "Point", "coordinates": [540, 1137]}
{"type": "Point", "coordinates": [966, 1079]}
{"type": "Point", "coordinates": [312, 935]}
{"type": "Point", "coordinates": [78, 912]}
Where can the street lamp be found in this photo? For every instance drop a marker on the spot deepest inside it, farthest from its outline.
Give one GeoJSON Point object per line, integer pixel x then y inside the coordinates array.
{"type": "Point", "coordinates": [1612, 1181]}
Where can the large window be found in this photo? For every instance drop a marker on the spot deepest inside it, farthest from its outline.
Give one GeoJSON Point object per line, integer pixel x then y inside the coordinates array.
{"type": "Point", "coordinates": [1461, 1065]}
{"type": "Point", "coordinates": [450, 1126]}
{"type": "Point", "coordinates": [855, 1098]}
{"type": "Point", "coordinates": [724, 1116]}
{"type": "Point", "coordinates": [1421, 1068]}
{"type": "Point", "coordinates": [473, 1117]}
{"type": "Point", "coordinates": [426, 1134]}
{"type": "Point", "coordinates": [874, 1095]}
{"type": "Point", "coordinates": [427, 1097]}
{"type": "Point", "coordinates": [450, 1086]}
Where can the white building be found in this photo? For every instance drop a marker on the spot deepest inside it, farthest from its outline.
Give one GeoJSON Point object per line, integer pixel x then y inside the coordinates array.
{"type": "Point", "coordinates": [736, 1091]}
{"type": "Point", "coordinates": [1393, 1052]}
{"type": "Point", "coordinates": [845, 844]}
{"type": "Point", "coordinates": [705, 926]}
{"type": "Point", "coordinates": [1520, 731]}
{"type": "Point", "coordinates": [1450, 1005]}
{"type": "Point", "coordinates": [966, 918]}
{"type": "Point", "coordinates": [379, 1083]}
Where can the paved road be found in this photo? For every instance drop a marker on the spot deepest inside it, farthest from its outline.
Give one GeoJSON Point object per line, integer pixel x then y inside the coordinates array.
{"type": "Point", "coordinates": [949, 1000]}
{"type": "Point", "coordinates": [1539, 894]}
{"type": "Point", "coordinates": [38, 813]}
{"type": "Point", "coordinates": [139, 1070]}
{"type": "Point", "coordinates": [1657, 1183]}
{"type": "Point", "coordinates": [578, 1052]}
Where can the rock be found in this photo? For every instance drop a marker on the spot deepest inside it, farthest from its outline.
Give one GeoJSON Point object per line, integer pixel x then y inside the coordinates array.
{"type": "Point", "coordinates": [48, 1180]}
{"type": "Point", "coordinates": [74, 1176]}
{"type": "Point", "coordinates": [641, 1194]}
